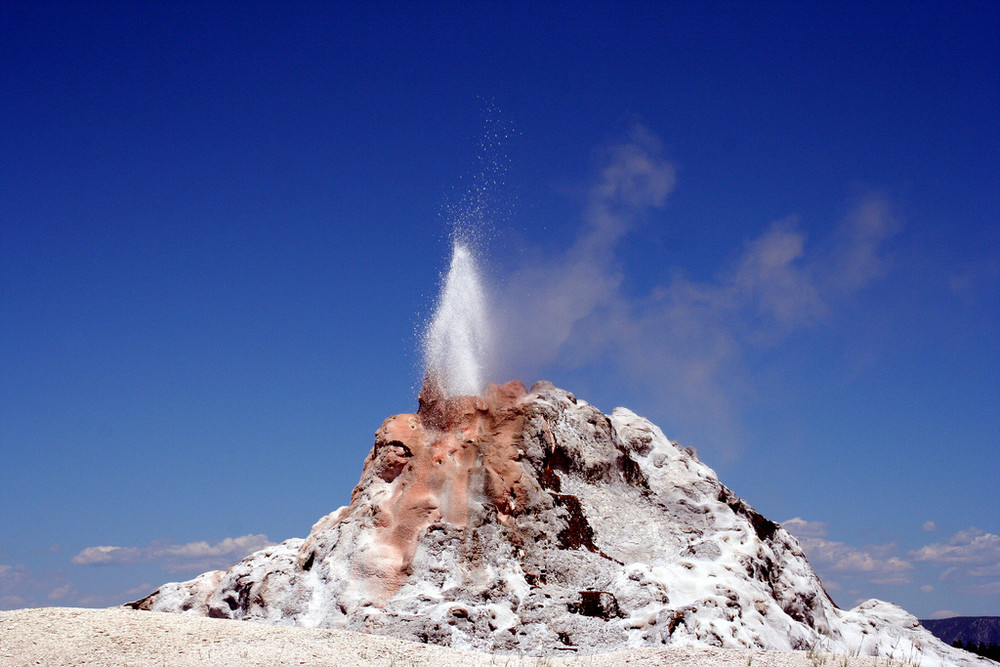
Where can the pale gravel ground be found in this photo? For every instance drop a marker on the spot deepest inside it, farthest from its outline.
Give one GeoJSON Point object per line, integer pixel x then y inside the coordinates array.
{"type": "Point", "coordinates": [69, 637]}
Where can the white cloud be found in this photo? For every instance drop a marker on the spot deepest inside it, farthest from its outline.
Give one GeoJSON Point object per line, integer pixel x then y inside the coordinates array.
{"type": "Point", "coordinates": [20, 586]}
{"type": "Point", "coordinates": [988, 588]}
{"type": "Point", "coordinates": [106, 555]}
{"type": "Point", "coordinates": [930, 526]}
{"type": "Point", "coordinates": [205, 556]}
{"type": "Point", "coordinates": [875, 562]}
{"type": "Point", "coordinates": [972, 547]}
{"type": "Point", "coordinates": [927, 588]}
{"type": "Point", "coordinates": [968, 553]}
{"type": "Point", "coordinates": [884, 571]}
{"type": "Point", "coordinates": [61, 592]}
{"type": "Point", "coordinates": [986, 570]}
{"type": "Point", "coordinates": [805, 529]}
{"type": "Point", "coordinates": [845, 559]}
{"type": "Point", "coordinates": [13, 577]}
{"type": "Point", "coordinates": [944, 613]}
{"type": "Point", "coordinates": [176, 557]}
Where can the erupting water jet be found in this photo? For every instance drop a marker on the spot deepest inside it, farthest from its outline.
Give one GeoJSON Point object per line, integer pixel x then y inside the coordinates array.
{"type": "Point", "coordinates": [456, 342]}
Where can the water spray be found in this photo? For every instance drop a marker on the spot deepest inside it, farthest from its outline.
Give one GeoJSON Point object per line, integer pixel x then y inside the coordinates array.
{"type": "Point", "coordinates": [456, 343]}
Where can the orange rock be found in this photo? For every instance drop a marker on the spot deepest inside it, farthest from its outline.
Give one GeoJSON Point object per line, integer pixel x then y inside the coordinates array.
{"type": "Point", "coordinates": [451, 454]}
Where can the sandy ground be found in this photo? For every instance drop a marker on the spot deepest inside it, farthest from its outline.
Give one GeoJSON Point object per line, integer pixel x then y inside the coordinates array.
{"type": "Point", "coordinates": [65, 636]}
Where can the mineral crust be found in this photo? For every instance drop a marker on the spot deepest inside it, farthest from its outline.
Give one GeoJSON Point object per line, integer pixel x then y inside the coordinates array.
{"type": "Point", "coordinates": [531, 522]}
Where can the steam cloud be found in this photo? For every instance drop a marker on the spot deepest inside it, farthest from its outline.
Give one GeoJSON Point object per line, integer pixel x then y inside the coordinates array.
{"type": "Point", "coordinates": [684, 343]}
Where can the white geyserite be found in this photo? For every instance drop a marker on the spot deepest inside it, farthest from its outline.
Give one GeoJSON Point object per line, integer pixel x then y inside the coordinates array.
{"type": "Point", "coordinates": [626, 540]}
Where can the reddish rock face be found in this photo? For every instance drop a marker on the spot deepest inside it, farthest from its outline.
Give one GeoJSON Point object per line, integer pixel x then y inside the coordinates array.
{"type": "Point", "coordinates": [452, 456]}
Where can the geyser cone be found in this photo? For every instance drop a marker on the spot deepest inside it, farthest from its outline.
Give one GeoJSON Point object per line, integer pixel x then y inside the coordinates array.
{"type": "Point", "coordinates": [457, 340]}
{"type": "Point", "coordinates": [532, 522]}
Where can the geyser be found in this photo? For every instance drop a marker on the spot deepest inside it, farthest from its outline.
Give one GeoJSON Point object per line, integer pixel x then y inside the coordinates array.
{"type": "Point", "coordinates": [456, 342]}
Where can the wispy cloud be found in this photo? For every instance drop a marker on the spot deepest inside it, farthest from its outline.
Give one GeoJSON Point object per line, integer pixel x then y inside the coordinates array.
{"type": "Point", "coordinates": [106, 555]}
{"type": "Point", "coordinates": [803, 529]}
{"type": "Point", "coordinates": [871, 562]}
{"type": "Point", "coordinates": [973, 546]}
{"type": "Point", "coordinates": [61, 593]}
{"type": "Point", "coordinates": [984, 588]}
{"type": "Point", "coordinates": [21, 586]}
{"type": "Point", "coordinates": [192, 556]}
{"type": "Point", "coordinates": [685, 342]}
{"type": "Point", "coordinates": [969, 556]}
{"type": "Point", "coordinates": [874, 563]}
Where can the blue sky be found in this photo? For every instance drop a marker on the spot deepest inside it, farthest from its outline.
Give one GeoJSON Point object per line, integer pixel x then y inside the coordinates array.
{"type": "Point", "coordinates": [772, 228]}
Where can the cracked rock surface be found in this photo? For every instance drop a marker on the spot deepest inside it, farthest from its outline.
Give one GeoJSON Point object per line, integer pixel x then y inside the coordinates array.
{"type": "Point", "coordinates": [531, 522]}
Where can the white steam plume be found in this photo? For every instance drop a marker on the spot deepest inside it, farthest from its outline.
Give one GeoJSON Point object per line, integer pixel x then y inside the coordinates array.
{"type": "Point", "coordinates": [456, 343]}
{"type": "Point", "coordinates": [688, 348]}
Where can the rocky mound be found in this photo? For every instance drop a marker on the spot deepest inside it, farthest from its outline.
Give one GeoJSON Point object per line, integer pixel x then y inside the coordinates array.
{"type": "Point", "coordinates": [74, 637]}
{"type": "Point", "coordinates": [534, 523]}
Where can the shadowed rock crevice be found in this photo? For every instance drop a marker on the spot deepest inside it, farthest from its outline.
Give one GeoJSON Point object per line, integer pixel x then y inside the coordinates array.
{"type": "Point", "coordinates": [143, 604]}
{"type": "Point", "coordinates": [765, 528]}
{"type": "Point", "coordinates": [577, 532]}
{"type": "Point", "coordinates": [599, 604]}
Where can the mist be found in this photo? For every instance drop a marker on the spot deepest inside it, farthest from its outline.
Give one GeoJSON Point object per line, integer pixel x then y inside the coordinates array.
{"type": "Point", "coordinates": [684, 343]}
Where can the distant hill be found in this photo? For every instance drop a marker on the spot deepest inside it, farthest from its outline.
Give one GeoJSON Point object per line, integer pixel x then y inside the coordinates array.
{"type": "Point", "coordinates": [966, 629]}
